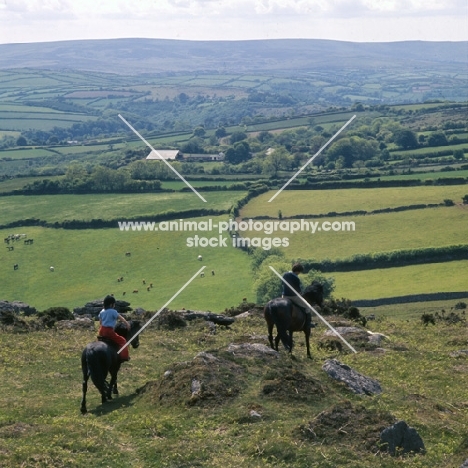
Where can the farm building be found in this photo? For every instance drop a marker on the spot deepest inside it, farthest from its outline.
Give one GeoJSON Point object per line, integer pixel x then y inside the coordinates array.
{"type": "Point", "coordinates": [169, 155]}
{"type": "Point", "coordinates": [176, 155]}
{"type": "Point", "coordinates": [203, 157]}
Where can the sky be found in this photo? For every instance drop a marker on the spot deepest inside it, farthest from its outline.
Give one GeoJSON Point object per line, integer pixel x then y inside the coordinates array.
{"type": "Point", "coordinates": [347, 20]}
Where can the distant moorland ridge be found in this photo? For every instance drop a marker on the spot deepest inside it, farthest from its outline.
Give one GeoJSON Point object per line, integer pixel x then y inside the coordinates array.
{"type": "Point", "coordinates": [135, 56]}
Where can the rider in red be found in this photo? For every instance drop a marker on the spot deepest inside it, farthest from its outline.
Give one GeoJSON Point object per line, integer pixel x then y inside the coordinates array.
{"type": "Point", "coordinates": [107, 319]}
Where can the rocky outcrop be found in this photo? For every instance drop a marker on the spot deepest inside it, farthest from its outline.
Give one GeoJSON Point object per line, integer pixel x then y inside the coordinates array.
{"type": "Point", "coordinates": [252, 350]}
{"type": "Point", "coordinates": [17, 307]}
{"type": "Point", "coordinates": [355, 381]}
{"type": "Point", "coordinates": [400, 439]}
{"type": "Point", "coordinates": [78, 324]}
{"type": "Point", "coordinates": [93, 308]}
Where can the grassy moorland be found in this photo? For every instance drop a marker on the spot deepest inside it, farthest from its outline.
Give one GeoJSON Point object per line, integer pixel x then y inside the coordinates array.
{"type": "Point", "coordinates": [306, 419]}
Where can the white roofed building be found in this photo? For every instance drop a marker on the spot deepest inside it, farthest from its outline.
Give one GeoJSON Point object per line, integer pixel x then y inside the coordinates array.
{"type": "Point", "coordinates": [168, 155]}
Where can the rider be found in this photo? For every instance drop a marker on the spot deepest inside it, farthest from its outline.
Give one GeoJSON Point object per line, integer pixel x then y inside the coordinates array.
{"type": "Point", "coordinates": [292, 278]}
{"type": "Point", "coordinates": [107, 319]}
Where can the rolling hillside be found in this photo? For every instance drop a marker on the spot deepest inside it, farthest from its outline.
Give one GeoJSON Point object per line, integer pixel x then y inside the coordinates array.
{"type": "Point", "coordinates": [159, 56]}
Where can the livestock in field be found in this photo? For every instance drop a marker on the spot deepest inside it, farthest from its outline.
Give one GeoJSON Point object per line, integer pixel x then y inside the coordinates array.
{"type": "Point", "coordinates": [288, 318]}
{"type": "Point", "coordinates": [101, 358]}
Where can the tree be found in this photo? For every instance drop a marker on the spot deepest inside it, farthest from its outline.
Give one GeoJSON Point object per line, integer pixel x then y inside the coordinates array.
{"type": "Point", "coordinates": [240, 152]}
{"type": "Point", "coordinates": [220, 132]}
{"type": "Point", "coordinates": [238, 136]}
{"type": "Point", "coordinates": [278, 159]}
{"type": "Point", "coordinates": [406, 139]}
{"type": "Point", "coordinates": [458, 154]}
{"type": "Point", "coordinates": [193, 146]}
{"type": "Point", "coordinates": [21, 141]}
{"type": "Point", "coordinates": [346, 151]}
{"type": "Point", "coordinates": [268, 286]}
{"type": "Point", "coordinates": [437, 139]}
{"type": "Point", "coordinates": [199, 132]}
{"type": "Point", "coordinates": [75, 172]}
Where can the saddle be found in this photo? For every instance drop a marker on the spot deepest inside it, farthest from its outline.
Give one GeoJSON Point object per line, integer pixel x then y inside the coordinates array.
{"type": "Point", "coordinates": [108, 341]}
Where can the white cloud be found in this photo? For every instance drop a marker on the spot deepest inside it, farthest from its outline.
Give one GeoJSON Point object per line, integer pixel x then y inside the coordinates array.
{"type": "Point", "coordinates": [36, 20]}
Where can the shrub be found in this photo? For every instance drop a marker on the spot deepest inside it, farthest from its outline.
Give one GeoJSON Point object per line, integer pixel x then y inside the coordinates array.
{"type": "Point", "coordinates": [426, 319]}
{"type": "Point", "coordinates": [54, 314]}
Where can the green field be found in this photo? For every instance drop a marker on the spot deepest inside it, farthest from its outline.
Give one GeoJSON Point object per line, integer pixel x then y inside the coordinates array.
{"type": "Point", "coordinates": [82, 258]}
{"type": "Point", "coordinates": [87, 264]}
{"type": "Point", "coordinates": [292, 203]}
{"type": "Point", "coordinates": [17, 183]}
{"type": "Point", "coordinates": [52, 208]}
{"type": "Point", "coordinates": [403, 281]}
{"type": "Point", "coordinates": [422, 174]}
{"type": "Point", "coordinates": [430, 150]}
{"type": "Point", "coordinates": [431, 227]}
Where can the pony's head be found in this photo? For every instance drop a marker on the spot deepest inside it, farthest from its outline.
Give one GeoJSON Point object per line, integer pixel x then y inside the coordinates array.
{"type": "Point", "coordinates": [122, 330]}
{"type": "Point", "coordinates": [313, 294]}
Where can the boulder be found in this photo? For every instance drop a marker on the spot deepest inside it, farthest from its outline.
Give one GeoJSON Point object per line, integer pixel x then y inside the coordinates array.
{"type": "Point", "coordinates": [355, 381]}
{"type": "Point", "coordinates": [465, 464]}
{"type": "Point", "coordinates": [78, 324]}
{"type": "Point", "coordinates": [93, 308]}
{"type": "Point", "coordinates": [216, 318]}
{"type": "Point", "coordinates": [17, 307]}
{"type": "Point", "coordinates": [401, 439]}
{"type": "Point", "coordinates": [252, 350]}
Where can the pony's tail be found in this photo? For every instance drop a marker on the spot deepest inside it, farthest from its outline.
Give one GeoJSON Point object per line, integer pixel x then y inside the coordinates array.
{"type": "Point", "coordinates": [281, 327]}
{"type": "Point", "coordinates": [95, 363]}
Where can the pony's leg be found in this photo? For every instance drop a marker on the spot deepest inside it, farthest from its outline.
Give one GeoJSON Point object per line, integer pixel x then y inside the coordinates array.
{"type": "Point", "coordinates": [290, 341]}
{"type": "Point", "coordinates": [270, 336]}
{"type": "Point", "coordinates": [85, 389]}
{"type": "Point", "coordinates": [277, 340]}
{"type": "Point", "coordinates": [307, 338]}
{"type": "Point", "coordinates": [113, 381]}
{"type": "Point", "coordinates": [85, 370]}
{"type": "Point", "coordinates": [115, 390]}
{"type": "Point", "coordinates": [112, 384]}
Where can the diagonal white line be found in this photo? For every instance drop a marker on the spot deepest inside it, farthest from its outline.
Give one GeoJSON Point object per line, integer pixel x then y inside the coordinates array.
{"type": "Point", "coordinates": [162, 308]}
{"type": "Point", "coordinates": [160, 157]}
{"type": "Point", "coordinates": [312, 158]}
{"type": "Point", "coordinates": [310, 307]}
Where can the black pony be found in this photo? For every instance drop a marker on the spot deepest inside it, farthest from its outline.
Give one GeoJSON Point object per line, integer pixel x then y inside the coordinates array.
{"type": "Point", "coordinates": [289, 318]}
{"type": "Point", "coordinates": [101, 358]}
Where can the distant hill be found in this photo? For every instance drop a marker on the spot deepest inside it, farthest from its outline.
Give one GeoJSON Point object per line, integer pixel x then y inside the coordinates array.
{"type": "Point", "coordinates": [136, 56]}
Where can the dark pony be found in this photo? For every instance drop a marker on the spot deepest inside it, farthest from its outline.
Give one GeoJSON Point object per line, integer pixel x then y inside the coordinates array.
{"type": "Point", "coordinates": [101, 358]}
{"type": "Point", "coordinates": [289, 318]}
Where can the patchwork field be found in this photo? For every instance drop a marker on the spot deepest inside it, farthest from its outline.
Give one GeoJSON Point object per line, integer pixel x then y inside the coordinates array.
{"type": "Point", "coordinates": [292, 203]}
{"type": "Point", "coordinates": [88, 263]}
{"type": "Point", "coordinates": [52, 208]}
